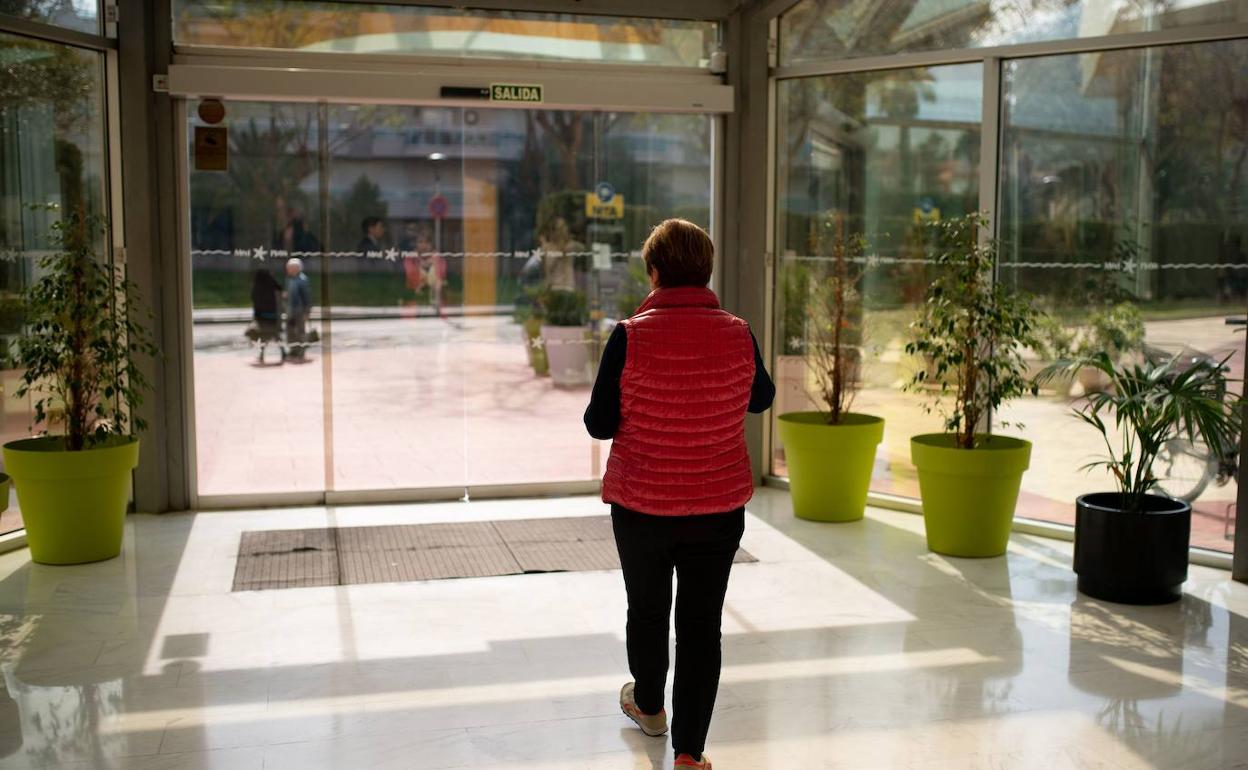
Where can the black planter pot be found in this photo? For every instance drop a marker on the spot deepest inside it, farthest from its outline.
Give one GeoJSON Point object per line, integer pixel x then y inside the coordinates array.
{"type": "Point", "coordinates": [1132, 557]}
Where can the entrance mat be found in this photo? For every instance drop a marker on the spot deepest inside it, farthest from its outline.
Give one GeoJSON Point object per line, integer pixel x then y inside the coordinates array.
{"type": "Point", "coordinates": [294, 558]}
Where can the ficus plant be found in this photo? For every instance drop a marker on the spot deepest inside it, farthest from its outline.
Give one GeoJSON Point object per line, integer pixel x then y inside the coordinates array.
{"type": "Point", "coordinates": [971, 331]}
{"type": "Point", "coordinates": [834, 319]}
{"type": "Point", "coordinates": [1150, 405]}
{"type": "Point", "coordinates": [82, 340]}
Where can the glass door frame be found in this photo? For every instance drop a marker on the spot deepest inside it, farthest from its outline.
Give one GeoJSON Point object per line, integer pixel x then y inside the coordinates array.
{"type": "Point", "coordinates": [321, 80]}
{"type": "Point", "coordinates": [992, 59]}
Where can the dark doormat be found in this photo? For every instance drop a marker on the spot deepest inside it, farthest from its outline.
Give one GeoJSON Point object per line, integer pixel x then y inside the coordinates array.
{"type": "Point", "coordinates": [293, 558]}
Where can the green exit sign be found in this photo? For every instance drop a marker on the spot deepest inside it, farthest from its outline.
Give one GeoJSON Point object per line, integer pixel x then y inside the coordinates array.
{"type": "Point", "coordinates": [515, 92]}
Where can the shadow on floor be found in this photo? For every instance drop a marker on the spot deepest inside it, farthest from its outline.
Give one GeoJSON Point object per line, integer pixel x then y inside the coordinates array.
{"type": "Point", "coordinates": [983, 661]}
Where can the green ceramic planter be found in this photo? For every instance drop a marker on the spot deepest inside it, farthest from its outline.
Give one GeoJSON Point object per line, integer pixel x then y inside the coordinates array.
{"type": "Point", "coordinates": [969, 495]}
{"type": "Point", "coordinates": [5, 484]}
{"type": "Point", "coordinates": [536, 353]}
{"type": "Point", "coordinates": [829, 465]}
{"type": "Point", "coordinates": [73, 503]}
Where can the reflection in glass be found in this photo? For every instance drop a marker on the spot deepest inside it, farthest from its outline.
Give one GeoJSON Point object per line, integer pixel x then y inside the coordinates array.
{"type": "Point", "coordinates": [832, 29]}
{"type": "Point", "coordinates": [51, 152]}
{"type": "Point", "coordinates": [459, 246]}
{"type": "Point", "coordinates": [259, 406]}
{"type": "Point", "coordinates": [81, 15]}
{"type": "Point", "coordinates": [1124, 191]}
{"type": "Point", "coordinates": [888, 151]}
{"type": "Point", "coordinates": [328, 27]}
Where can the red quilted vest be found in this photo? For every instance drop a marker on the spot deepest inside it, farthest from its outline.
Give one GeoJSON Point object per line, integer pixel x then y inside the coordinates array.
{"type": "Point", "coordinates": [680, 448]}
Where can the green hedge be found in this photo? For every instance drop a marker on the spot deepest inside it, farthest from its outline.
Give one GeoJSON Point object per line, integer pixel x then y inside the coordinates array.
{"type": "Point", "coordinates": [227, 288]}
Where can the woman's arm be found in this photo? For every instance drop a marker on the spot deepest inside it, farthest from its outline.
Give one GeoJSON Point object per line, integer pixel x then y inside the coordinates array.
{"type": "Point", "coordinates": [602, 416]}
{"type": "Point", "coordinates": [763, 392]}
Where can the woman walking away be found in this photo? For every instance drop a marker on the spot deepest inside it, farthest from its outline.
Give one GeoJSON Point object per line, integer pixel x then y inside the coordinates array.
{"type": "Point", "coordinates": [266, 319]}
{"type": "Point", "coordinates": [675, 383]}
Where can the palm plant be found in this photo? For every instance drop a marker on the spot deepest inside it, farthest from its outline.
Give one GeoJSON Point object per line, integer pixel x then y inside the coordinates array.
{"type": "Point", "coordinates": [1149, 405]}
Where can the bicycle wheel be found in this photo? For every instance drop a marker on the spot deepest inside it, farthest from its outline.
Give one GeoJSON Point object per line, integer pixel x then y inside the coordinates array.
{"type": "Point", "coordinates": [1184, 469]}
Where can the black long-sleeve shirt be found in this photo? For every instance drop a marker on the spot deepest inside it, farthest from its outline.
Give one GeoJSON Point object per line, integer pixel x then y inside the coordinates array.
{"type": "Point", "coordinates": [602, 416]}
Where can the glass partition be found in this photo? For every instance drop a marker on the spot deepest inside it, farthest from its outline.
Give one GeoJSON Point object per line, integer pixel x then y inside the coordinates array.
{"type": "Point", "coordinates": [464, 267]}
{"type": "Point", "coordinates": [51, 154]}
{"type": "Point", "coordinates": [832, 29]}
{"type": "Point", "coordinates": [885, 151]}
{"type": "Point", "coordinates": [259, 409]}
{"type": "Point", "coordinates": [1123, 199]}
{"type": "Point", "coordinates": [80, 15]}
{"type": "Point", "coordinates": [329, 27]}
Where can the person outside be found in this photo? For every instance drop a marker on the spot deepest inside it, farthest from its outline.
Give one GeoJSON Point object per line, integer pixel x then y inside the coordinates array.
{"type": "Point", "coordinates": [673, 389]}
{"type": "Point", "coordinates": [373, 231]}
{"type": "Point", "coordinates": [422, 264]}
{"type": "Point", "coordinates": [294, 237]}
{"type": "Point", "coordinates": [265, 310]}
{"type": "Point", "coordinates": [298, 306]}
{"type": "Point", "coordinates": [559, 253]}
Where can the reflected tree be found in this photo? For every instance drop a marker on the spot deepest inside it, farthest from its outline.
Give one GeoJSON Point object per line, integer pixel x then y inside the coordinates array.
{"type": "Point", "coordinates": [248, 24]}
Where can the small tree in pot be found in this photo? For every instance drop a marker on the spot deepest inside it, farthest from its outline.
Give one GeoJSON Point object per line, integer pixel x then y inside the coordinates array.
{"type": "Point", "coordinates": [830, 453]}
{"type": "Point", "coordinates": [972, 331]}
{"type": "Point", "coordinates": [1131, 546]}
{"type": "Point", "coordinates": [79, 354]}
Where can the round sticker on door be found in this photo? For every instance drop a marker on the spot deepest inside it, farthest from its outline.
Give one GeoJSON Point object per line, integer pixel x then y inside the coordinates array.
{"type": "Point", "coordinates": [211, 111]}
{"type": "Point", "coordinates": [605, 191]}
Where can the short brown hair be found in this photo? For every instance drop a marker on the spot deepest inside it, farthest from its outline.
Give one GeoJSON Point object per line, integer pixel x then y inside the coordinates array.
{"type": "Point", "coordinates": [680, 253]}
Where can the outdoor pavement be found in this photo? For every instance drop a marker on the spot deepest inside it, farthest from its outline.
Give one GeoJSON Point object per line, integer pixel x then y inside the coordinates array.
{"type": "Point", "coordinates": [417, 402]}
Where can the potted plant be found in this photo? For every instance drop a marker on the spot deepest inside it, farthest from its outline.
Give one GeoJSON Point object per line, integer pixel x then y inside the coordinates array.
{"type": "Point", "coordinates": [1116, 330]}
{"type": "Point", "coordinates": [566, 337]}
{"type": "Point", "coordinates": [830, 452]}
{"type": "Point", "coordinates": [529, 318]}
{"type": "Point", "coordinates": [635, 287]}
{"type": "Point", "coordinates": [972, 331]}
{"type": "Point", "coordinates": [79, 354]}
{"type": "Point", "coordinates": [1131, 545]}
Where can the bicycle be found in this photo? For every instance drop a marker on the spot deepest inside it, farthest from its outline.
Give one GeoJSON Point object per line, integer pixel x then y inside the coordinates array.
{"type": "Point", "coordinates": [1185, 469]}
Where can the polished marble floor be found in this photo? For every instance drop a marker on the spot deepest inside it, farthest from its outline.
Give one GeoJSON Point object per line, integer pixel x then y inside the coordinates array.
{"type": "Point", "coordinates": [845, 646]}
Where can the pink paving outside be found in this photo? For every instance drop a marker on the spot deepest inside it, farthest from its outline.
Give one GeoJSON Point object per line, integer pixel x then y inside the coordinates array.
{"type": "Point", "coordinates": [416, 402]}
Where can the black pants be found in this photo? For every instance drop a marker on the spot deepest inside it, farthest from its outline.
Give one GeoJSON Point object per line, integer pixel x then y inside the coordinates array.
{"type": "Point", "coordinates": [700, 549]}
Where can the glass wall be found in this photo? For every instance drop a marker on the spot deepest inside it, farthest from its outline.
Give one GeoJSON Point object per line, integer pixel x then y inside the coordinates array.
{"type": "Point", "coordinates": [836, 29]}
{"type": "Point", "coordinates": [51, 159]}
{"type": "Point", "coordinates": [463, 267]}
{"type": "Point", "coordinates": [328, 27]}
{"type": "Point", "coordinates": [1121, 208]}
{"type": "Point", "coordinates": [1124, 209]}
{"type": "Point", "coordinates": [80, 15]}
{"type": "Point", "coordinates": [886, 151]}
{"type": "Point", "coordinates": [258, 426]}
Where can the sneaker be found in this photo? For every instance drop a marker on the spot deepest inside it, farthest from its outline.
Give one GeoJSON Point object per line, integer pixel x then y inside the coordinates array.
{"type": "Point", "coordinates": [653, 725]}
{"type": "Point", "coordinates": [684, 760]}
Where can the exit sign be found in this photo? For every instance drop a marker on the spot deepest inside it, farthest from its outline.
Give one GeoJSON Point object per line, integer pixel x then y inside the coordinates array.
{"type": "Point", "coordinates": [515, 92]}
